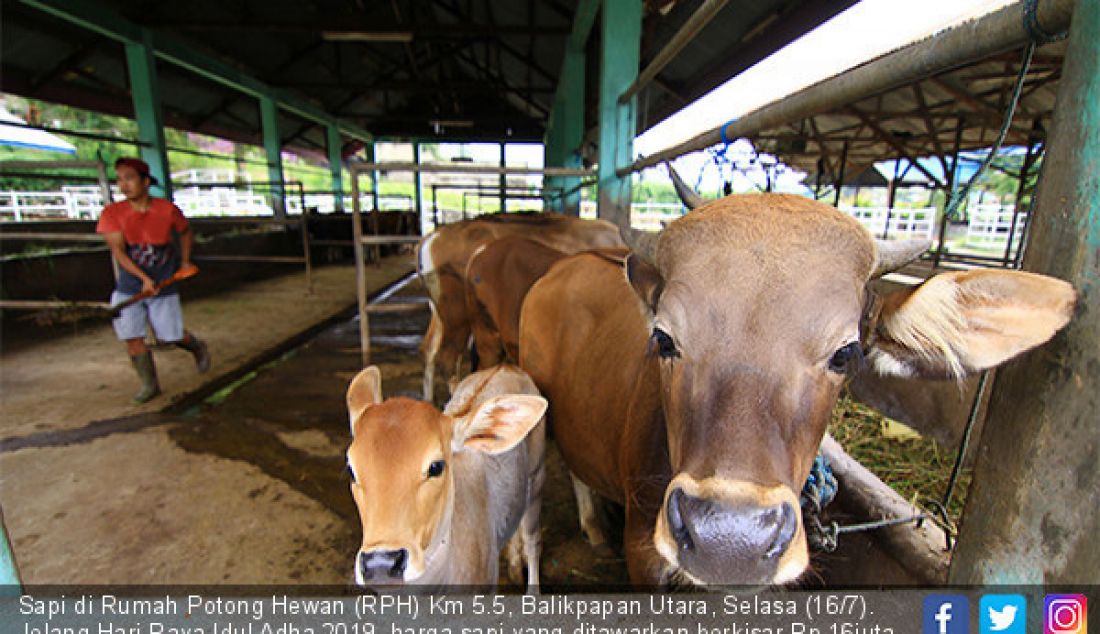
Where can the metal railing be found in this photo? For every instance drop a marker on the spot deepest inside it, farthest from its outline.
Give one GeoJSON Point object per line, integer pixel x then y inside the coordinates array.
{"type": "Point", "coordinates": [896, 223]}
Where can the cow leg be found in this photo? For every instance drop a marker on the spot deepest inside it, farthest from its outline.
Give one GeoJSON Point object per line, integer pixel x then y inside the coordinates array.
{"type": "Point", "coordinates": [590, 521]}
{"type": "Point", "coordinates": [433, 339]}
{"type": "Point", "coordinates": [531, 524]}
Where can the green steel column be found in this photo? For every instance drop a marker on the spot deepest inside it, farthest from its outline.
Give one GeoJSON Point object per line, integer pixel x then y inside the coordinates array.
{"type": "Point", "coordinates": [572, 125]}
{"type": "Point", "coordinates": [551, 154]}
{"type": "Point", "coordinates": [565, 132]}
{"type": "Point", "coordinates": [335, 164]}
{"type": "Point", "coordinates": [269, 118]}
{"type": "Point", "coordinates": [620, 32]}
{"type": "Point", "coordinates": [145, 91]}
{"type": "Point", "coordinates": [1033, 512]}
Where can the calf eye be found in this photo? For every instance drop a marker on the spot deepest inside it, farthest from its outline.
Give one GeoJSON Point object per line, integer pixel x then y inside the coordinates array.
{"type": "Point", "coordinates": [435, 469]}
{"type": "Point", "coordinates": [666, 347]}
{"type": "Point", "coordinates": [846, 358]}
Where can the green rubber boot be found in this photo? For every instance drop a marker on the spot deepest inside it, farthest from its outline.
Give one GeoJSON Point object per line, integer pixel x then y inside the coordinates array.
{"type": "Point", "coordinates": [197, 348]}
{"type": "Point", "coordinates": [147, 372]}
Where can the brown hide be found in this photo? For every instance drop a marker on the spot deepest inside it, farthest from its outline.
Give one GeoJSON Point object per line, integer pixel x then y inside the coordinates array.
{"type": "Point", "coordinates": [698, 396]}
{"type": "Point", "coordinates": [444, 256]}
{"type": "Point", "coordinates": [497, 279]}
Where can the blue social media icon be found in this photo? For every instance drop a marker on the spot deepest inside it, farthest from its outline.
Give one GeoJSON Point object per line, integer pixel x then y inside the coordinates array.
{"type": "Point", "coordinates": [946, 614]}
{"type": "Point", "coordinates": [1002, 614]}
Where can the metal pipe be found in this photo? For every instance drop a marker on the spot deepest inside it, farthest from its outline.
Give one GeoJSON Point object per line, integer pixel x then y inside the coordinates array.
{"type": "Point", "coordinates": [702, 16]}
{"type": "Point", "coordinates": [286, 259]}
{"type": "Point", "coordinates": [468, 169]}
{"type": "Point", "coordinates": [52, 237]}
{"type": "Point", "coordinates": [995, 33]}
{"type": "Point", "coordinates": [6, 166]}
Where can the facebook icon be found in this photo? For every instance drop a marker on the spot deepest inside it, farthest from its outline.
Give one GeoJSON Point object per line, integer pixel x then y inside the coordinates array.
{"type": "Point", "coordinates": [946, 614]}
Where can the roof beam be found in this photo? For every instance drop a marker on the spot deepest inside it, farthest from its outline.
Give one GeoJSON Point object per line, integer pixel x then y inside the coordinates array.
{"type": "Point", "coordinates": [101, 19]}
{"type": "Point", "coordinates": [349, 27]}
{"type": "Point", "coordinates": [891, 140]}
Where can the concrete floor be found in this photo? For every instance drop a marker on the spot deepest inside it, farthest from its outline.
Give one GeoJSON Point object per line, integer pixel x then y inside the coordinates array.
{"type": "Point", "coordinates": [247, 486]}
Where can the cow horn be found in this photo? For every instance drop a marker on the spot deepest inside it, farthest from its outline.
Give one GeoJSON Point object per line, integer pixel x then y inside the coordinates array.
{"type": "Point", "coordinates": [892, 255]}
{"type": "Point", "coordinates": [687, 195]}
{"type": "Point", "coordinates": [642, 243]}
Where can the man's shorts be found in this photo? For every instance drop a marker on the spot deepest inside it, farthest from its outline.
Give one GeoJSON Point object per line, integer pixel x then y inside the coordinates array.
{"type": "Point", "coordinates": [162, 311]}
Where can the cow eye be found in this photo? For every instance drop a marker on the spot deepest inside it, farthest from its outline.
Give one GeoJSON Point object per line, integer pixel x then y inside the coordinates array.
{"type": "Point", "coordinates": [666, 347]}
{"type": "Point", "coordinates": [435, 469]}
{"type": "Point", "coordinates": [846, 358]}
{"type": "Point", "coordinates": [351, 472]}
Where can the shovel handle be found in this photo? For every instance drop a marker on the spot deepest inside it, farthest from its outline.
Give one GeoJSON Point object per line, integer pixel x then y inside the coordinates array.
{"type": "Point", "coordinates": [179, 275]}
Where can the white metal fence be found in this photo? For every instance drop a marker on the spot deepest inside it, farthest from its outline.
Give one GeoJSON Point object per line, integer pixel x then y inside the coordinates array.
{"type": "Point", "coordinates": [904, 223]}
{"type": "Point", "coordinates": [84, 202]}
{"type": "Point", "coordinates": [989, 226]}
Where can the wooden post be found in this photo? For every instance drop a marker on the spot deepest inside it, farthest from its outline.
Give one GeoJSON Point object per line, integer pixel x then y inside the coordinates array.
{"type": "Point", "coordinates": [1033, 511]}
{"type": "Point", "coordinates": [360, 269]}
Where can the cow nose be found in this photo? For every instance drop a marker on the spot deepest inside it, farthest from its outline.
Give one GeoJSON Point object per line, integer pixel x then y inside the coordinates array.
{"type": "Point", "coordinates": [720, 542]}
{"type": "Point", "coordinates": [383, 563]}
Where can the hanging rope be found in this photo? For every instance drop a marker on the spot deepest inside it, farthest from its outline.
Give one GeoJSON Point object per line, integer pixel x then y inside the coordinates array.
{"type": "Point", "coordinates": [960, 193]}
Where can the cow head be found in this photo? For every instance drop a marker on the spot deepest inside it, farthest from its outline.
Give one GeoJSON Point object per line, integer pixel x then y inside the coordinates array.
{"type": "Point", "coordinates": [759, 311]}
{"type": "Point", "coordinates": [402, 459]}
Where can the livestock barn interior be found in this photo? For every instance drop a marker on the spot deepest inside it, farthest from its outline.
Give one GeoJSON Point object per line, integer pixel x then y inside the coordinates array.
{"type": "Point", "coordinates": [239, 475]}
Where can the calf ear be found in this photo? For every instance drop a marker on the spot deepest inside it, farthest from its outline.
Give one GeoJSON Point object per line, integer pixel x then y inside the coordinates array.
{"type": "Point", "coordinates": [499, 423]}
{"type": "Point", "coordinates": [645, 279]}
{"type": "Point", "coordinates": [956, 324]}
{"type": "Point", "coordinates": [365, 390]}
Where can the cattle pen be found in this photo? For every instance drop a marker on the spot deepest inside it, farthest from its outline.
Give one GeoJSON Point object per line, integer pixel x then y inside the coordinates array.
{"type": "Point", "coordinates": [309, 119]}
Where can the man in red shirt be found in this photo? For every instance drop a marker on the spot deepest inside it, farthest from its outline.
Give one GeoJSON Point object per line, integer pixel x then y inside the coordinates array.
{"type": "Point", "coordinates": [139, 231]}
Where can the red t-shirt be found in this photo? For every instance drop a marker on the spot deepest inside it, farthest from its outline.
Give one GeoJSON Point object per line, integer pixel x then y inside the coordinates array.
{"type": "Point", "coordinates": [150, 227]}
{"type": "Point", "coordinates": [148, 237]}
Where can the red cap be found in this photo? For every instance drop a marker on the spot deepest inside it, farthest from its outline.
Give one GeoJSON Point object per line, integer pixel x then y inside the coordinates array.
{"type": "Point", "coordinates": [138, 165]}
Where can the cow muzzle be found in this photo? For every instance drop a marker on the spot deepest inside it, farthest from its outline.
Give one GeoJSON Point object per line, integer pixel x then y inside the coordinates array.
{"type": "Point", "coordinates": [718, 532]}
{"type": "Point", "coordinates": [381, 566]}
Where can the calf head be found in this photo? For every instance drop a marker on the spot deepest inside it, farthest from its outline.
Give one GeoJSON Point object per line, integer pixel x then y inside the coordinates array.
{"type": "Point", "coordinates": [401, 461]}
{"type": "Point", "coordinates": [759, 312]}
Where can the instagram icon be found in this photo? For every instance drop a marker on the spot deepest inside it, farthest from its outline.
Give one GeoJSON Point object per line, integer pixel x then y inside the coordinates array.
{"type": "Point", "coordinates": [1065, 614]}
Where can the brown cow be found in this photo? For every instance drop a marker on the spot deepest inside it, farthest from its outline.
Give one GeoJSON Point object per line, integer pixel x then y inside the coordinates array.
{"type": "Point", "coordinates": [497, 279]}
{"type": "Point", "coordinates": [439, 494]}
{"type": "Point", "coordinates": [444, 255]}
{"type": "Point", "coordinates": [696, 388]}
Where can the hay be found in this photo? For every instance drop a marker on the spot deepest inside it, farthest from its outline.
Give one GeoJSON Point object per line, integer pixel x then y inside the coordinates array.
{"type": "Point", "coordinates": [917, 468]}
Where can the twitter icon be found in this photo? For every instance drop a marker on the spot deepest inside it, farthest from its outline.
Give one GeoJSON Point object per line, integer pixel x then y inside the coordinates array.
{"type": "Point", "coordinates": [1002, 614]}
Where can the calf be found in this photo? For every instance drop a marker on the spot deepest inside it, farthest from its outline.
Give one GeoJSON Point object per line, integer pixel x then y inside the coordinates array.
{"type": "Point", "coordinates": [439, 493]}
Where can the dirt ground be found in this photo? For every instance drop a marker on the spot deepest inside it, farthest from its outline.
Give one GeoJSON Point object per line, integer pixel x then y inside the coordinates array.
{"type": "Point", "coordinates": [247, 486]}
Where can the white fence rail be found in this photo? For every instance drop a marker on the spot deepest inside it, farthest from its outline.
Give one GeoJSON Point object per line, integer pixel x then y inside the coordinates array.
{"type": "Point", "coordinates": [905, 223]}
{"type": "Point", "coordinates": [84, 202]}
{"type": "Point", "coordinates": [989, 226]}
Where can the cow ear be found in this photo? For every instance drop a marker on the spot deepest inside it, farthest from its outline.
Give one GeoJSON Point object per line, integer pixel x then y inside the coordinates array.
{"type": "Point", "coordinates": [499, 423]}
{"type": "Point", "coordinates": [365, 390]}
{"type": "Point", "coordinates": [645, 279]}
{"type": "Point", "coordinates": [957, 324]}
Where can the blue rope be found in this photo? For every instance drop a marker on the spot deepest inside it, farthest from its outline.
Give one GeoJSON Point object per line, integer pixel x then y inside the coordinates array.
{"type": "Point", "coordinates": [821, 487]}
